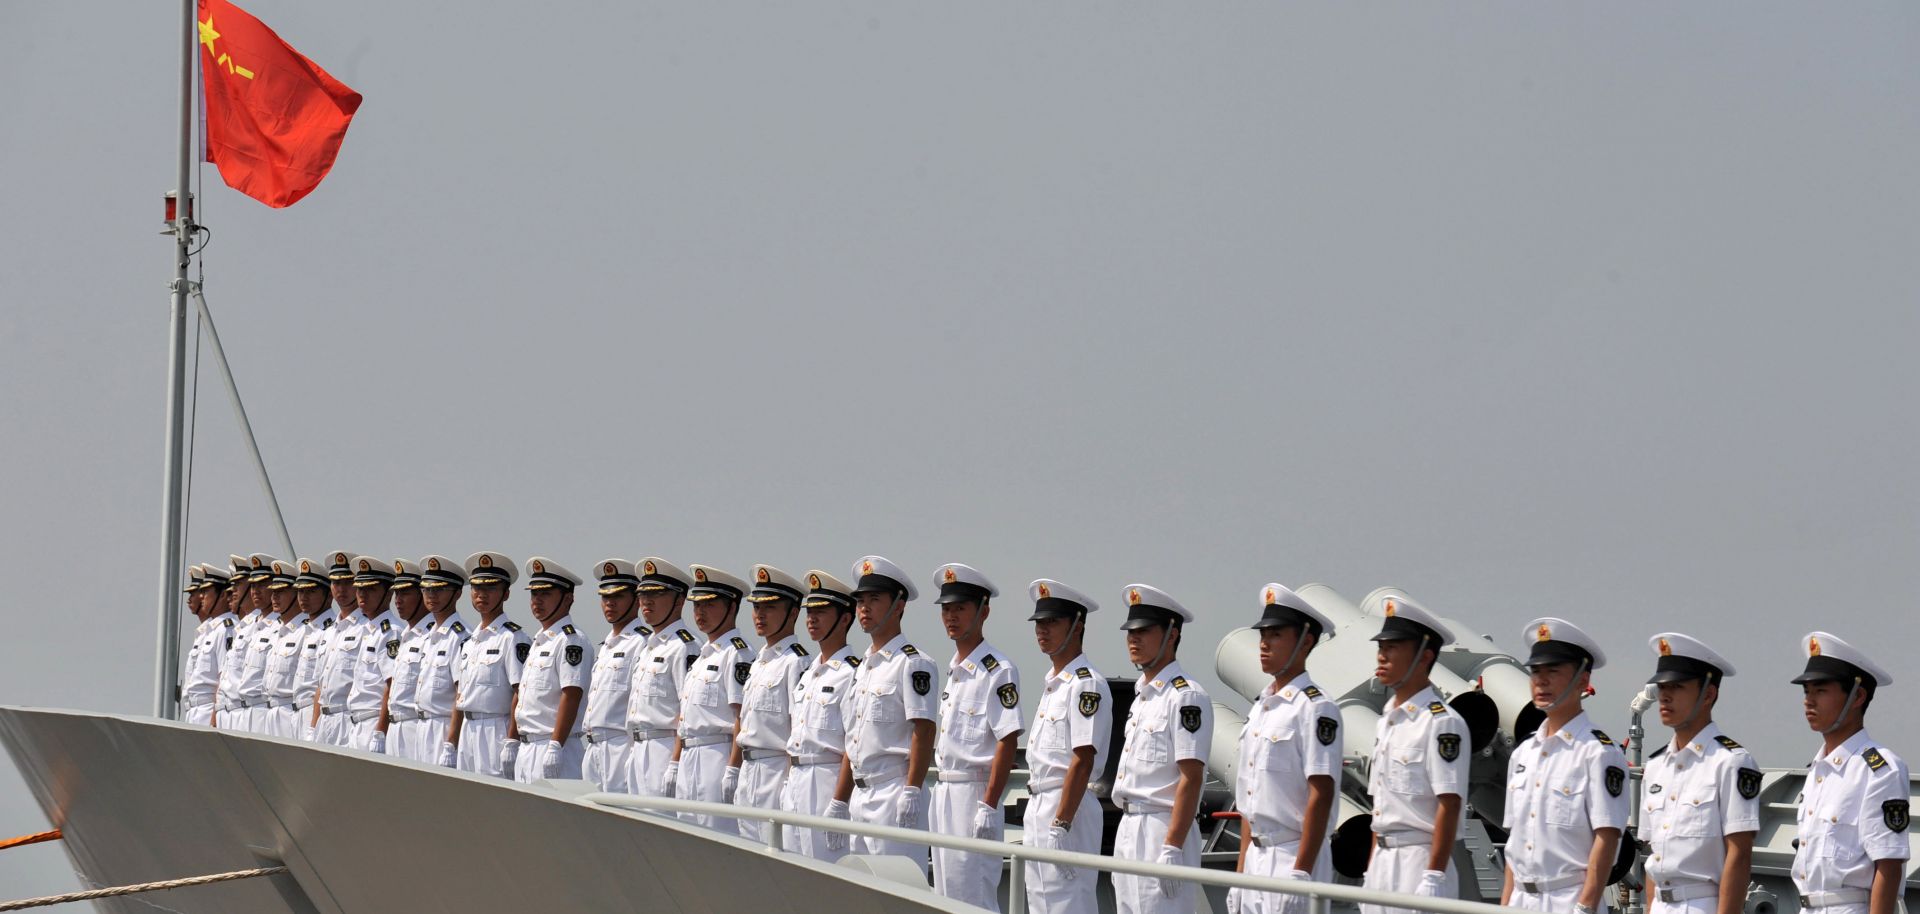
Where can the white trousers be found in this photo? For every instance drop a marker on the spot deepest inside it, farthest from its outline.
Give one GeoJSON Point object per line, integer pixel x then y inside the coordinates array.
{"type": "Point", "coordinates": [960, 875]}
{"type": "Point", "coordinates": [333, 730]}
{"type": "Point", "coordinates": [1276, 862]}
{"type": "Point", "coordinates": [533, 758]}
{"type": "Point", "coordinates": [809, 790]}
{"type": "Point", "coordinates": [1399, 869]}
{"type": "Point", "coordinates": [284, 722]}
{"type": "Point", "coordinates": [1562, 900]}
{"type": "Point", "coordinates": [762, 782]}
{"type": "Point", "coordinates": [875, 804]}
{"type": "Point", "coordinates": [480, 746]}
{"type": "Point", "coordinates": [360, 735]}
{"type": "Point", "coordinates": [200, 714]}
{"type": "Point", "coordinates": [702, 773]}
{"type": "Point", "coordinates": [432, 736]}
{"type": "Point", "coordinates": [1140, 837]}
{"type": "Point", "coordinates": [608, 762]}
{"type": "Point", "coordinates": [236, 719]}
{"type": "Point", "coordinates": [1062, 889]}
{"type": "Point", "coordinates": [647, 764]}
{"type": "Point", "coordinates": [1711, 905]}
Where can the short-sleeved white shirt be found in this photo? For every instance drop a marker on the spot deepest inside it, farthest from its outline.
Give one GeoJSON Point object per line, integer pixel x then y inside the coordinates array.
{"type": "Point", "coordinates": [403, 698]}
{"type": "Point", "coordinates": [373, 664]}
{"type": "Point", "coordinates": [314, 637]}
{"type": "Point", "coordinates": [1561, 789]}
{"type": "Point", "coordinates": [1171, 721]}
{"type": "Point", "coordinates": [1292, 734]}
{"type": "Point", "coordinates": [1693, 797]}
{"type": "Point", "coordinates": [653, 703]}
{"type": "Point", "coordinates": [979, 707]}
{"type": "Point", "coordinates": [203, 669]}
{"type": "Point", "coordinates": [819, 700]}
{"type": "Point", "coordinates": [896, 686]}
{"type": "Point", "coordinates": [251, 684]}
{"type": "Point", "coordinates": [489, 667]}
{"type": "Point", "coordinates": [710, 695]}
{"type": "Point", "coordinates": [766, 703]}
{"type": "Point", "coordinates": [283, 659]}
{"type": "Point", "coordinates": [612, 681]}
{"type": "Point", "coordinates": [1854, 796]}
{"type": "Point", "coordinates": [1420, 751]}
{"type": "Point", "coordinates": [439, 672]}
{"type": "Point", "coordinates": [1076, 709]}
{"type": "Point", "coordinates": [337, 659]}
{"type": "Point", "coordinates": [561, 659]}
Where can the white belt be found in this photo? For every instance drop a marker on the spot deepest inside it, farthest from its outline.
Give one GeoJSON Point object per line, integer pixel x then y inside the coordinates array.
{"type": "Point", "coordinates": [1685, 891]}
{"type": "Point", "coordinates": [884, 770]}
{"type": "Point", "coordinates": [1545, 885]}
{"type": "Point", "coordinates": [805, 761]}
{"type": "Point", "coordinates": [330, 711]}
{"type": "Point", "coordinates": [963, 775]}
{"type": "Point", "coordinates": [1137, 808]}
{"type": "Point", "coordinates": [1405, 839]}
{"type": "Point", "coordinates": [756, 755]}
{"type": "Point", "coordinates": [1278, 839]}
{"type": "Point", "coordinates": [481, 715]}
{"type": "Point", "coordinates": [1829, 899]}
{"type": "Point", "coordinates": [708, 740]}
{"type": "Point", "coordinates": [361, 717]}
{"type": "Point", "coordinates": [645, 735]}
{"type": "Point", "coordinates": [401, 716]}
{"type": "Point", "coordinates": [604, 735]}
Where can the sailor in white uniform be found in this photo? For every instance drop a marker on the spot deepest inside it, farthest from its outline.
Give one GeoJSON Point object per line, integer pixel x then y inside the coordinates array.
{"type": "Point", "coordinates": [1854, 843]}
{"type": "Point", "coordinates": [1418, 774]}
{"type": "Point", "coordinates": [195, 605]}
{"type": "Point", "coordinates": [1163, 761]}
{"type": "Point", "coordinates": [710, 696]}
{"type": "Point", "coordinates": [1065, 752]}
{"type": "Point", "coordinates": [818, 741]}
{"type": "Point", "coordinates": [1289, 768]}
{"type": "Point", "coordinates": [979, 732]}
{"type": "Point", "coordinates": [202, 680]}
{"type": "Point", "coordinates": [890, 717]}
{"type": "Point", "coordinates": [310, 590]}
{"type": "Point", "coordinates": [1566, 785]}
{"type": "Point", "coordinates": [441, 582]}
{"type": "Point", "coordinates": [487, 674]}
{"type": "Point", "coordinates": [288, 631]}
{"type": "Point", "coordinates": [608, 762]}
{"type": "Point", "coordinates": [249, 599]}
{"type": "Point", "coordinates": [339, 650]}
{"type": "Point", "coordinates": [249, 690]}
{"type": "Point", "coordinates": [653, 703]}
{"type": "Point", "coordinates": [404, 721]}
{"type": "Point", "coordinates": [554, 684]}
{"type": "Point", "coordinates": [759, 763]}
{"type": "Point", "coordinates": [1701, 802]}
{"type": "Point", "coordinates": [373, 664]}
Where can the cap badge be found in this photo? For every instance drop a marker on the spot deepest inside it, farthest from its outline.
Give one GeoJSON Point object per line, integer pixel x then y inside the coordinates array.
{"type": "Point", "coordinates": [433, 564]}
{"type": "Point", "coordinates": [1543, 633]}
{"type": "Point", "coordinates": [486, 561]}
{"type": "Point", "coordinates": [1045, 592]}
{"type": "Point", "coordinates": [1133, 596]}
{"type": "Point", "coordinates": [539, 567]}
{"type": "Point", "coordinates": [339, 558]}
{"type": "Point", "coordinates": [399, 566]}
{"type": "Point", "coordinates": [1269, 595]}
{"type": "Point", "coordinates": [1813, 647]}
{"type": "Point", "coordinates": [305, 566]}
{"type": "Point", "coordinates": [951, 576]}
{"type": "Point", "coordinates": [1391, 609]}
{"type": "Point", "coordinates": [813, 580]}
{"type": "Point", "coordinates": [700, 575]}
{"type": "Point", "coordinates": [760, 574]}
{"type": "Point", "coordinates": [866, 567]}
{"type": "Point", "coordinates": [608, 568]}
{"type": "Point", "coordinates": [256, 561]}
{"type": "Point", "coordinates": [648, 566]}
{"type": "Point", "coordinates": [1666, 650]}
{"type": "Point", "coordinates": [366, 565]}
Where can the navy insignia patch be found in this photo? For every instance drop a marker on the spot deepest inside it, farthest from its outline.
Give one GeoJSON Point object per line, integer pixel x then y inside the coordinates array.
{"type": "Point", "coordinates": [1083, 673]}
{"type": "Point", "coordinates": [459, 629]}
{"type": "Point", "coordinates": [852, 661]}
{"type": "Point", "coordinates": [798, 651]}
{"type": "Point", "coordinates": [690, 659]}
{"type": "Point", "coordinates": [1437, 709]}
{"type": "Point", "coordinates": [990, 662]}
{"type": "Point", "coordinates": [1190, 719]}
{"type": "Point", "coordinates": [566, 629]}
{"type": "Point", "coordinates": [1449, 745]}
{"type": "Point", "coordinates": [511, 625]}
{"type": "Point", "coordinates": [521, 651]}
{"type": "Point", "coordinates": [1089, 703]}
{"type": "Point", "coordinates": [685, 636]}
{"type": "Point", "coordinates": [1656, 788]}
{"type": "Point", "coordinates": [922, 682]}
{"type": "Point", "coordinates": [1726, 741]}
{"type": "Point", "coordinates": [1009, 695]}
{"type": "Point", "coordinates": [910, 651]}
{"type": "Point", "coordinates": [386, 625]}
{"type": "Point", "coordinates": [1604, 739]}
{"type": "Point", "coordinates": [1179, 682]}
{"type": "Point", "coordinates": [1616, 780]}
{"type": "Point", "coordinates": [1312, 691]}
{"type": "Point", "coordinates": [1748, 783]}
{"type": "Point", "coordinates": [1894, 813]}
{"type": "Point", "coordinates": [229, 623]}
{"type": "Point", "coordinates": [1326, 730]}
{"type": "Point", "coordinates": [738, 643]}
{"type": "Point", "coordinates": [229, 640]}
{"type": "Point", "coordinates": [575, 654]}
{"type": "Point", "coordinates": [329, 624]}
{"type": "Point", "coordinates": [1875, 760]}
{"type": "Point", "coordinates": [741, 672]}
{"type": "Point", "coordinates": [393, 649]}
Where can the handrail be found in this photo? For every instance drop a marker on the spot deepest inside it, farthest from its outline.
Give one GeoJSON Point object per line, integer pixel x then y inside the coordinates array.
{"type": "Point", "coordinates": [1317, 892]}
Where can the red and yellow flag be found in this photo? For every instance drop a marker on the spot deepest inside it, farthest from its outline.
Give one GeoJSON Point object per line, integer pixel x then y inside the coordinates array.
{"type": "Point", "coordinates": [274, 118]}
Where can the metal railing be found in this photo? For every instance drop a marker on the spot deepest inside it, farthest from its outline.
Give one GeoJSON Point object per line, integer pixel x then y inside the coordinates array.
{"type": "Point", "coordinates": [1319, 894]}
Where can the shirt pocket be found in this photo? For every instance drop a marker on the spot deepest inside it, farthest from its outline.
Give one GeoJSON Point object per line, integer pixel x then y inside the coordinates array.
{"type": "Point", "coordinates": [610, 675]}
{"type": "Point", "coordinates": [706, 690]}
{"type": "Point", "coordinates": [1407, 769]}
{"type": "Point", "coordinates": [1696, 813]}
{"type": "Point", "coordinates": [769, 696]}
{"type": "Point", "coordinates": [970, 721]}
{"type": "Point", "coordinates": [1566, 802]}
{"type": "Point", "coordinates": [1278, 750]}
{"type": "Point", "coordinates": [1155, 744]}
{"type": "Point", "coordinates": [1839, 840]}
{"type": "Point", "coordinates": [883, 703]}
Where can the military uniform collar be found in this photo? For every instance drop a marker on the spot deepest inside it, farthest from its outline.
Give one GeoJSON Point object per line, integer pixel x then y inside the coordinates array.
{"type": "Point", "coordinates": [223, 617]}
{"type": "Point", "coordinates": [1072, 668]}
{"type": "Point", "coordinates": [298, 620]}
{"type": "Point", "coordinates": [893, 647]}
{"type": "Point", "coordinates": [1419, 703]}
{"type": "Point", "coordinates": [559, 627]}
{"type": "Point", "coordinates": [1855, 744]}
{"type": "Point", "coordinates": [499, 623]}
{"type": "Point", "coordinates": [639, 627]}
{"type": "Point", "coordinates": [672, 630]}
{"type": "Point", "coordinates": [1569, 732]}
{"type": "Point", "coordinates": [1294, 687]}
{"type": "Point", "coordinates": [779, 647]}
{"type": "Point", "coordinates": [391, 618]}
{"type": "Point", "coordinates": [723, 641]}
{"type": "Point", "coordinates": [976, 661]}
{"type": "Point", "coordinates": [1698, 746]}
{"type": "Point", "coordinates": [1167, 676]}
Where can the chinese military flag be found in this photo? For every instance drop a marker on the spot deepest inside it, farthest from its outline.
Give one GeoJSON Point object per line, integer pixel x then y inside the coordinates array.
{"type": "Point", "coordinates": [274, 118]}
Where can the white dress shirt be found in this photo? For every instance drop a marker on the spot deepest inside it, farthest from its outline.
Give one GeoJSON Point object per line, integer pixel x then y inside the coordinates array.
{"type": "Point", "coordinates": [1694, 796]}
{"type": "Point", "coordinates": [891, 690]}
{"type": "Point", "coordinates": [979, 707]}
{"type": "Point", "coordinates": [1076, 709]}
{"type": "Point", "coordinates": [1854, 798]}
{"type": "Point", "coordinates": [1292, 734]}
{"type": "Point", "coordinates": [1420, 751]}
{"type": "Point", "coordinates": [1171, 721]}
{"type": "Point", "coordinates": [1560, 789]}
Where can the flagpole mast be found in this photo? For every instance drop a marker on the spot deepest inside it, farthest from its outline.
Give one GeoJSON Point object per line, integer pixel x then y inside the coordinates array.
{"type": "Point", "coordinates": [166, 667]}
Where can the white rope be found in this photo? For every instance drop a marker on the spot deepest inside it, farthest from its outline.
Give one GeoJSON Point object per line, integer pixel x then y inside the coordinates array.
{"type": "Point", "coordinates": [116, 891]}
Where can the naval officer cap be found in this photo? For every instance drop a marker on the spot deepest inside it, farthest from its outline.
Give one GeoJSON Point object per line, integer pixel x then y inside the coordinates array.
{"type": "Point", "coordinates": [259, 566]}
{"type": "Point", "coordinates": [658, 574]}
{"type": "Point", "coordinates": [616, 576]}
{"type": "Point", "coordinates": [406, 574]}
{"type": "Point", "coordinates": [1559, 641]}
{"type": "Point", "coordinates": [1684, 657]}
{"type": "Point", "coordinates": [770, 583]}
{"type": "Point", "coordinates": [490, 568]}
{"type": "Point", "coordinates": [1409, 621]}
{"type": "Point", "coordinates": [280, 574]}
{"type": "Point", "coordinates": [875, 574]}
{"type": "Point", "coordinates": [1149, 606]}
{"type": "Point", "coordinates": [440, 571]}
{"type": "Point", "coordinates": [237, 567]}
{"type": "Point", "coordinates": [311, 575]}
{"type": "Point", "coordinates": [1830, 659]}
{"type": "Point", "coordinates": [546, 574]}
{"type": "Point", "coordinates": [1054, 600]}
{"type": "Point", "coordinates": [340, 565]}
{"type": "Point", "coordinates": [371, 572]}
{"type": "Point", "coordinates": [196, 578]}
{"type": "Point", "coordinates": [1281, 607]}
{"type": "Point", "coordinates": [216, 575]}
{"type": "Point", "coordinates": [824, 589]}
{"type": "Point", "coordinates": [710, 583]}
{"type": "Point", "coordinates": [962, 584]}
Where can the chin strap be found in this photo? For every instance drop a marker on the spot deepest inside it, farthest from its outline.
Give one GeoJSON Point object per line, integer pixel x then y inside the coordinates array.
{"type": "Point", "coordinates": [1699, 703]}
{"type": "Point", "coordinates": [1080, 625]}
{"type": "Point", "coordinates": [1299, 644]}
{"type": "Point", "coordinates": [1394, 688]}
{"type": "Point", "coordinates": [1165, 639]}
{"type": "Point", "coordinates": [1846, 708]}
{"type": "Point", "coordinates": [1574, 686]}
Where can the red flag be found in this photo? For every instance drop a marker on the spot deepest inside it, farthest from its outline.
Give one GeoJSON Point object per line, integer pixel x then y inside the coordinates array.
{"type": "Point", "coordinates": [274, 118]}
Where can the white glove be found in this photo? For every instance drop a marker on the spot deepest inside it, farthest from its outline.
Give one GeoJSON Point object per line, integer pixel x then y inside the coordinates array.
{"type": "Point", "coordinates": [1430, 881]}
{"type": "Point", "coordinates": [1170, 856]}
{"type": "Point", "coordinates": [906, 812]}
{"type": "Point", "coordinates": [447, 753]}
{"type": "Point", "coordinates": [550, 762]}
{"type": "Point", "coordinates": [837, 840]}
{"type": "Point", "coordinates": [1057, 836]}
{"type": "Point", "coordinates": [377, 743]}
{"type": "Point", "coordinates": [307, 733]}
{"type": "Point", "coordinates": [729, 782]}
{"type": "Point", "coordinates": [670, 779]}
{"type": "Point", "coordinates": [509, 751]}
{"type": "Point", "coordinates": [1295, 904]}
{"type": "Point", "coordinates": [983, 822]}
{"type": "Point", "coordinates": [1233, 900]}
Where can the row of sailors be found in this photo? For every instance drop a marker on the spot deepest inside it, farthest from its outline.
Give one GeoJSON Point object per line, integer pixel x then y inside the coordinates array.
{"type": "Point", "coordinates": [655, 709]}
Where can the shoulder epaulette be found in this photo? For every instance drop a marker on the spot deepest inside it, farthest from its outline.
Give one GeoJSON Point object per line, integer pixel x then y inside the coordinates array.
{"type": "Point", "coordinates": [909, 650]}
{"type": "Point", "coordinates": [1602, 736]}
{"type": "Point", "coordinates": [326, 624]}
{"type": "Point", "coordinates": [1875, 760]}
{"type": "Point", "coordinates": [851, 660]}
{"type": "Point", "coordinates": [386, 624]}
{"type": "Point", "coordinates": [1083, 673]}
{"type": "Point", "coordinates": [1312, 691]}
{"type": "Point", "coordinates": [738, 644]}
{"type": "Point", "coordinates": [686, 636]}
{"type": "Point", "coordinates": [1727, 741]}
{"type": "Point", "coordinates": [566, 629]}
{"type": "Point", "coordinates": [990, 662]}
{"type": "Point", "coordinates": [644, 631]}
{"type": "Point", "coordinates": [229, 623]}
{"type": "Point", "coordinates": [1179, 682]}
{"type": "Point", "coordinates": [798, 651]}
{"type": "Point", "coordinates": [458, 629]}
{"type": "Point", "coordinates": [1437, 708]}
{"type": "Point", "coordinates": [512, 626]}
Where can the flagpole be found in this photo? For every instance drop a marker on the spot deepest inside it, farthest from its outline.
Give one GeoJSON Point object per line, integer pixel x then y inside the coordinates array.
{"type": "Point", "coordinates": [166, 667]}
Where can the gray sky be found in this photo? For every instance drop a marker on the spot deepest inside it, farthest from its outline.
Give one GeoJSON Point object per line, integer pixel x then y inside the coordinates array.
{"type": "Point", "coordinates": [1602, 312]}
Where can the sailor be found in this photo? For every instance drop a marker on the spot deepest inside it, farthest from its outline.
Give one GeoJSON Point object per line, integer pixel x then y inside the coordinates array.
{"type": "Point", "coordinates": [403, 721]}
{"type": "Point", "coordinates": [1289, 768]}
{"type": "Point", "coordinates": [608, 758]}
{"type": "Point", "coordinates": [759, 762]}
{"type": "Point", "coordinates": [339, 649]}
{"type": "Point", "coordinates": [1419, 765]}
{"type": "Point", "coordinates": [818, 740]}
{"type": "Point", "coordinates": [283, 655]}
{"type": "Point", "coordinates": [1853, 844]}
{"type": "Point", "coordinates": [653, 703]}
{"type": "Point", "coordinates": [1071, 731]}
{"type": "Point", "coordinates": [979, 732]}
{"type": "Point", "coordinates": [1701, 805]}
{"type": "Point", "coordinates": [441, 581]}
{"type": "Point", "coordinates": [203, 669]}
{"type": "Point", "coordinates": [372, 667]}
{"type": "Point", "coordinates": [195, 605]}
{"type": "Point", "coordinates": [246, 602]}
{"type": "Point", "coordinates": [1566, 785]}
{"type": "Point", "coordinates": [247, 692]}
{"type": "Point", "coordinates": [1163, 761]}
{"type": "Point", "coordinates": [891, 717]}
{"type": "Point", "coordinates": [553, 684]}
{"type": "Point", "coordinates": [710, 696]}
{"type": "Point", "coordinates": [316, 603]}
{"type": "Point", "coordinates": [487, 675]}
